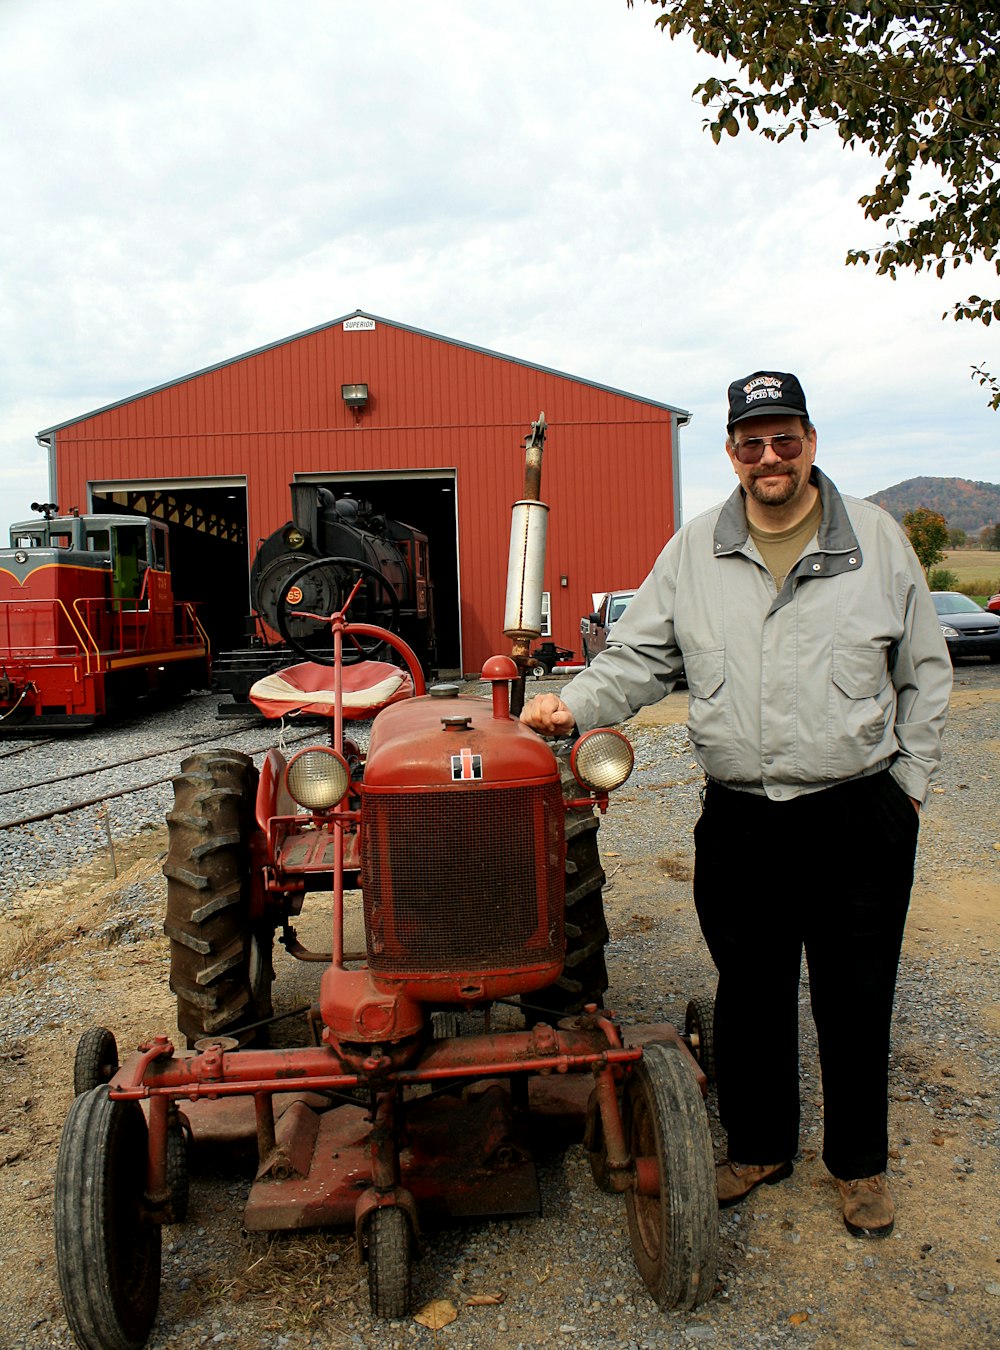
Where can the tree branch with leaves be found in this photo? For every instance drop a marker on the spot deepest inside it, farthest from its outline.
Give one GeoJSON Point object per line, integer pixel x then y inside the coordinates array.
{"type": "Point", "coordinates": [917, 84]}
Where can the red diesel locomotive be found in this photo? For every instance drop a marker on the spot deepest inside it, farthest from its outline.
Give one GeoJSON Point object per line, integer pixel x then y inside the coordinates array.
{"type": "Point", "coordinates": [88, 620]}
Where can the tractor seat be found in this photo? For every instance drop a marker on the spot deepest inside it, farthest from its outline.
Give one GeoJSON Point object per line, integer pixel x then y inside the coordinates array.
{"type": "Point", "coordinates": [368, 686]}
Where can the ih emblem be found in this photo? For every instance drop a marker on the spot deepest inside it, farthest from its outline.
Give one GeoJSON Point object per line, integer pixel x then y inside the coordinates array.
{"type": "Point", "coordinates": [466, 765]}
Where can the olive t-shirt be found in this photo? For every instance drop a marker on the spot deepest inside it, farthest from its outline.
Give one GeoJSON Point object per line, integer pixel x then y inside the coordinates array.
{"type": "Point", "coordinates": [781, 549]}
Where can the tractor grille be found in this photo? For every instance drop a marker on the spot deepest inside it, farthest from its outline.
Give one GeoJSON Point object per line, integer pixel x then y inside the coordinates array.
{"type": "Point", "coordinates": [463, 880]}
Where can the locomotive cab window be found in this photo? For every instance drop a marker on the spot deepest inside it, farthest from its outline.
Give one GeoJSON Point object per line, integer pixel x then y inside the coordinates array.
{"type": "Point", "coordinates": [161, 557]}
{"type": "Point", "coordinates": [98, 541]}
{"type": "Point", "coordinates": [35, 540]}
{"type": "Point", "coordinates": [129, 562]}
{"type": "Point", "coordinates": [60, 539]}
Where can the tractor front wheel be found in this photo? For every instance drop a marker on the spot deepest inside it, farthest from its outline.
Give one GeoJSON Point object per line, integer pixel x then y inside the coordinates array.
{"type": "Point", "coordinates": [699, 1026]}
{"type": "Point", "coordinates": [220, 961]}
{"type": "Point", "coordinates": [597, 1149]}
{"type": "Point", "coordinates": [178, 1182]}
{"type": "Point", "coordinates": [674, 1232]}
{"type": "Point", "coordinates": [390, 1244]}
{"type": "Point", "coordinates": [107, 1245]}
{"type": "Point", "coordinates": [96, 1060]}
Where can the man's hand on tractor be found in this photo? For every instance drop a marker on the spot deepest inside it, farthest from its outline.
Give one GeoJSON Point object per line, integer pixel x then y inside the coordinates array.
{"type": "Point", "coordinates": [548, 714]}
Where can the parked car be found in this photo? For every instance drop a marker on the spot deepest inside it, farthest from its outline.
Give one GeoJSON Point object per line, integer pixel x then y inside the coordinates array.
{"type": "Point", "coordinates": [594, 626]}
{"type": "Point", "coordinates": [993, 603]}
{"type": "Point", "coordinates": [968, 629]}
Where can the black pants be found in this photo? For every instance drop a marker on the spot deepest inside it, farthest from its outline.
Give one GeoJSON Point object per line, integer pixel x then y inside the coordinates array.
{"type": "Point", "coordinates": [830, 872]}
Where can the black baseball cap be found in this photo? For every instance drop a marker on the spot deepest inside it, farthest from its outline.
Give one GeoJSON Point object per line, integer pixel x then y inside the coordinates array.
{"type": "Point", "coordinates": [763, 393]}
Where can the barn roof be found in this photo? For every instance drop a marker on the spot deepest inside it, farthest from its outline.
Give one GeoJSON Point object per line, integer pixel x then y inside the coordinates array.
{"type": "Point", "coordinates": [333, 323]}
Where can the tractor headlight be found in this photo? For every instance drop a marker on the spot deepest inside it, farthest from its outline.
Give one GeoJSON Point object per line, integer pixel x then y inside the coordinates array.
{"type": "Point", "coordinates": [601, 760]}
{"type": "Point", "coordinates": [318, 778]}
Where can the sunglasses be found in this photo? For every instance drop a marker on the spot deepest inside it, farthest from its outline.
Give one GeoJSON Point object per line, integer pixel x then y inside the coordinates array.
{"type": "Point", "coordinates": [751, 451]}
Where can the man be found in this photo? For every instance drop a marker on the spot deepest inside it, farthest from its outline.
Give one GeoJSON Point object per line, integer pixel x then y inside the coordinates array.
{"type": "Point", "coordinates": [819, 683]}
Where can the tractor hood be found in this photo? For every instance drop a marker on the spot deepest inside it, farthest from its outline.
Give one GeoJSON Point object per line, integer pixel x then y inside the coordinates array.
{"type": "Point", "coordinates": [453, 741]}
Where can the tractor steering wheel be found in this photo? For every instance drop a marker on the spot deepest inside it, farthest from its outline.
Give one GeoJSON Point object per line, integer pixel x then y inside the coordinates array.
{"type": "Point", "coordinates": [318, 590]}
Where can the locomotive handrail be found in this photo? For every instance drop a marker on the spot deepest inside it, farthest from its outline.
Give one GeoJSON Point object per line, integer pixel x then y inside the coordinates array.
{"type": "Point", "coordinates": [80, 640]}
{"type": "Point", "coordinates": [197, 629]}
{"type": "Point", "coordinates": [141, 637]}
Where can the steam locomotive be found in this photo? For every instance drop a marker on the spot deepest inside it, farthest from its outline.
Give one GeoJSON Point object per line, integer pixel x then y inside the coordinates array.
{"type": "Point", "coordinates": [347, 543]}
{"type": "Point", "coordinates": [88, 620]}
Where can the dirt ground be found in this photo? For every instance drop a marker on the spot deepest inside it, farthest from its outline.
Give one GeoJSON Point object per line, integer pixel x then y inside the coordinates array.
{"type": "Point", "coordinates": [786, 1262]}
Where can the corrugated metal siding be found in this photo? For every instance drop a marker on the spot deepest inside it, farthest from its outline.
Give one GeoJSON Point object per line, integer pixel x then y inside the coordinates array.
{"type": "Point", "coordinates": [434, 404]}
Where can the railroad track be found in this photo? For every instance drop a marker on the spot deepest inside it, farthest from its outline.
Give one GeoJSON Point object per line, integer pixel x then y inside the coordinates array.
{"type": "Point", "coordinates": [93, 772]}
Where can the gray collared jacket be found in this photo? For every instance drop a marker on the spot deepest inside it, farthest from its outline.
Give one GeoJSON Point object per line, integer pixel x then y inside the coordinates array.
{"type": "Point", "coordinates": [841, 673]}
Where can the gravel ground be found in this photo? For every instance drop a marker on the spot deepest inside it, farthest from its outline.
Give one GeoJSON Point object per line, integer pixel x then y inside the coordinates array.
{"type": "Point", "coordinates": [789, 1272]}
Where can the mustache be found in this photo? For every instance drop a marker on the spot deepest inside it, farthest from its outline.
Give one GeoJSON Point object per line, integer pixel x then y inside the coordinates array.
{"type": "Point", "coordinates": [775, 472]}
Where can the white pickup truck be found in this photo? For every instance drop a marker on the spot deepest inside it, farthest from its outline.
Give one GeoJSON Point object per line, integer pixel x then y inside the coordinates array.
{"type": "Point", "coordinates": [594, 626]}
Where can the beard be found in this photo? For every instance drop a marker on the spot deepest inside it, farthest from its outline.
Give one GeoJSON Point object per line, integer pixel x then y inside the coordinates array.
{"type": "Point", "coordinates": [775, 487]}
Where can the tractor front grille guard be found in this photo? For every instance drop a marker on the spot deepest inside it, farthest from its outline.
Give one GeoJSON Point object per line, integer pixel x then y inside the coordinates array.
{"type": "Point", "coordinates": [468, 879]}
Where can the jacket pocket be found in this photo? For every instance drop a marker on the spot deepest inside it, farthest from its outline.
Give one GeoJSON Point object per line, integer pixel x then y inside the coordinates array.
{"type": "Point", "coordinates": [704, 672]}
{"type": "Point", "coordinates": [709, 729]}
{"type": "Point", "coordinates": [861, 676]}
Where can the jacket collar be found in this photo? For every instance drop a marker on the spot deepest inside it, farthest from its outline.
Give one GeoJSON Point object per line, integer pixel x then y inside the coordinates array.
{"type": "Point", "coordinates": [835, 535]}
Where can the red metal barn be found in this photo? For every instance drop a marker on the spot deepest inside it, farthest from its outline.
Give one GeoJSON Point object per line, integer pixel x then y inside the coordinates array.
{"type": "Point", "coordinates": [436, 440]}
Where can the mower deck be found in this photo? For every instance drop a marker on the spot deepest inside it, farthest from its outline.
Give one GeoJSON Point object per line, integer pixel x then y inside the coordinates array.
{"type": "Point", "coordinates": [465, 1158]}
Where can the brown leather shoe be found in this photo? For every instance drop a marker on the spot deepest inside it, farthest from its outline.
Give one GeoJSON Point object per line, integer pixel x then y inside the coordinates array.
{"type": "Point", "coordinates": [735, 1181]}
{"type": "Point", "coordinates": [868, 1207]}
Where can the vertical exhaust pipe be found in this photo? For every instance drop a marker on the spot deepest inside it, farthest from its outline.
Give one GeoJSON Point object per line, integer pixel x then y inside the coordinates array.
{"type": "Point", "coordinates": [526, 562]}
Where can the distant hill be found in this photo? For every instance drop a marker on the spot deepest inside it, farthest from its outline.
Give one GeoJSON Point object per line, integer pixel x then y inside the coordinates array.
{"type": "Point", "coordinates": [965, 505]}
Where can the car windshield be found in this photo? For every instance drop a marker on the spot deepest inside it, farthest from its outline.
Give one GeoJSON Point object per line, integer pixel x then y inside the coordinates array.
{"type": "Point", "coordinates": [618, 606]}
{"type": "Point", "coordinates": [950, 602]}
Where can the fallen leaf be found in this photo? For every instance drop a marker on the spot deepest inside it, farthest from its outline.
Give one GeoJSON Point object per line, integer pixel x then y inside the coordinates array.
{"type": "Point", "coordinates": [540, 1279]}
{"type": "Point", "coordinates": [436, 1314]}
{"type": "Point", "coordinates": [798, 1318]}
{"type": "Point", "coordinates": [484, 1300]}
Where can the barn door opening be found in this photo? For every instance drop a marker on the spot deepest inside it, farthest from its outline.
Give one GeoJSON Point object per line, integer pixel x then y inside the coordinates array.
{"type": "Point", "coordinates": [425, 500]}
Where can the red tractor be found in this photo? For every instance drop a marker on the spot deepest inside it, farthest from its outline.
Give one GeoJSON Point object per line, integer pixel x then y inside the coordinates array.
{"type": "Point", "coordinates": [473, 844]}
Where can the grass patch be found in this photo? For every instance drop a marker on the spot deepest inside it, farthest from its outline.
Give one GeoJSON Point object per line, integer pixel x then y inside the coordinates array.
{"type": "Point", "coordinates": [678, 869]}
{"type": "Point", "coordinates": [288, 1278]}
{"type": "Point", "coordinates": [52, 916]}
{"type": "Point", "coordinates": [30, 939]}
{"type": "Point", "coordinates": [977, 570]}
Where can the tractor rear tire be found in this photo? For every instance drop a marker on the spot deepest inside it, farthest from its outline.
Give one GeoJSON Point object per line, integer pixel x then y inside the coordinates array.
{"type": "Point", "coordinates": [96, 1060]}
{"type": "Point", "coordinates": [675, 1234]}
{"type": "Point", "coordinates": [585, 972]}
{"type": "Point", "coordinates": [390, 1245]}
{"type": "Point", "coordinates": [107, 1245]}
{"type": "Point", "coordinates": [220, 963]}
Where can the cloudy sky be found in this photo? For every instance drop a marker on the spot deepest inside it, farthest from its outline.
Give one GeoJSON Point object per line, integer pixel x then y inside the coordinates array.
{"type": "Point", "coordinates": [184, 182]}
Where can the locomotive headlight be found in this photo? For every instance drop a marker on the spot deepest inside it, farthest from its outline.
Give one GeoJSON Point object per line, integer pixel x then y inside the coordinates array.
{"type": "Point", "coordinates": [601, 760]}
{"type": "Point", "coordinates": [294, 537]}
{"type": "Point", "coordinates": [318, 778]}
